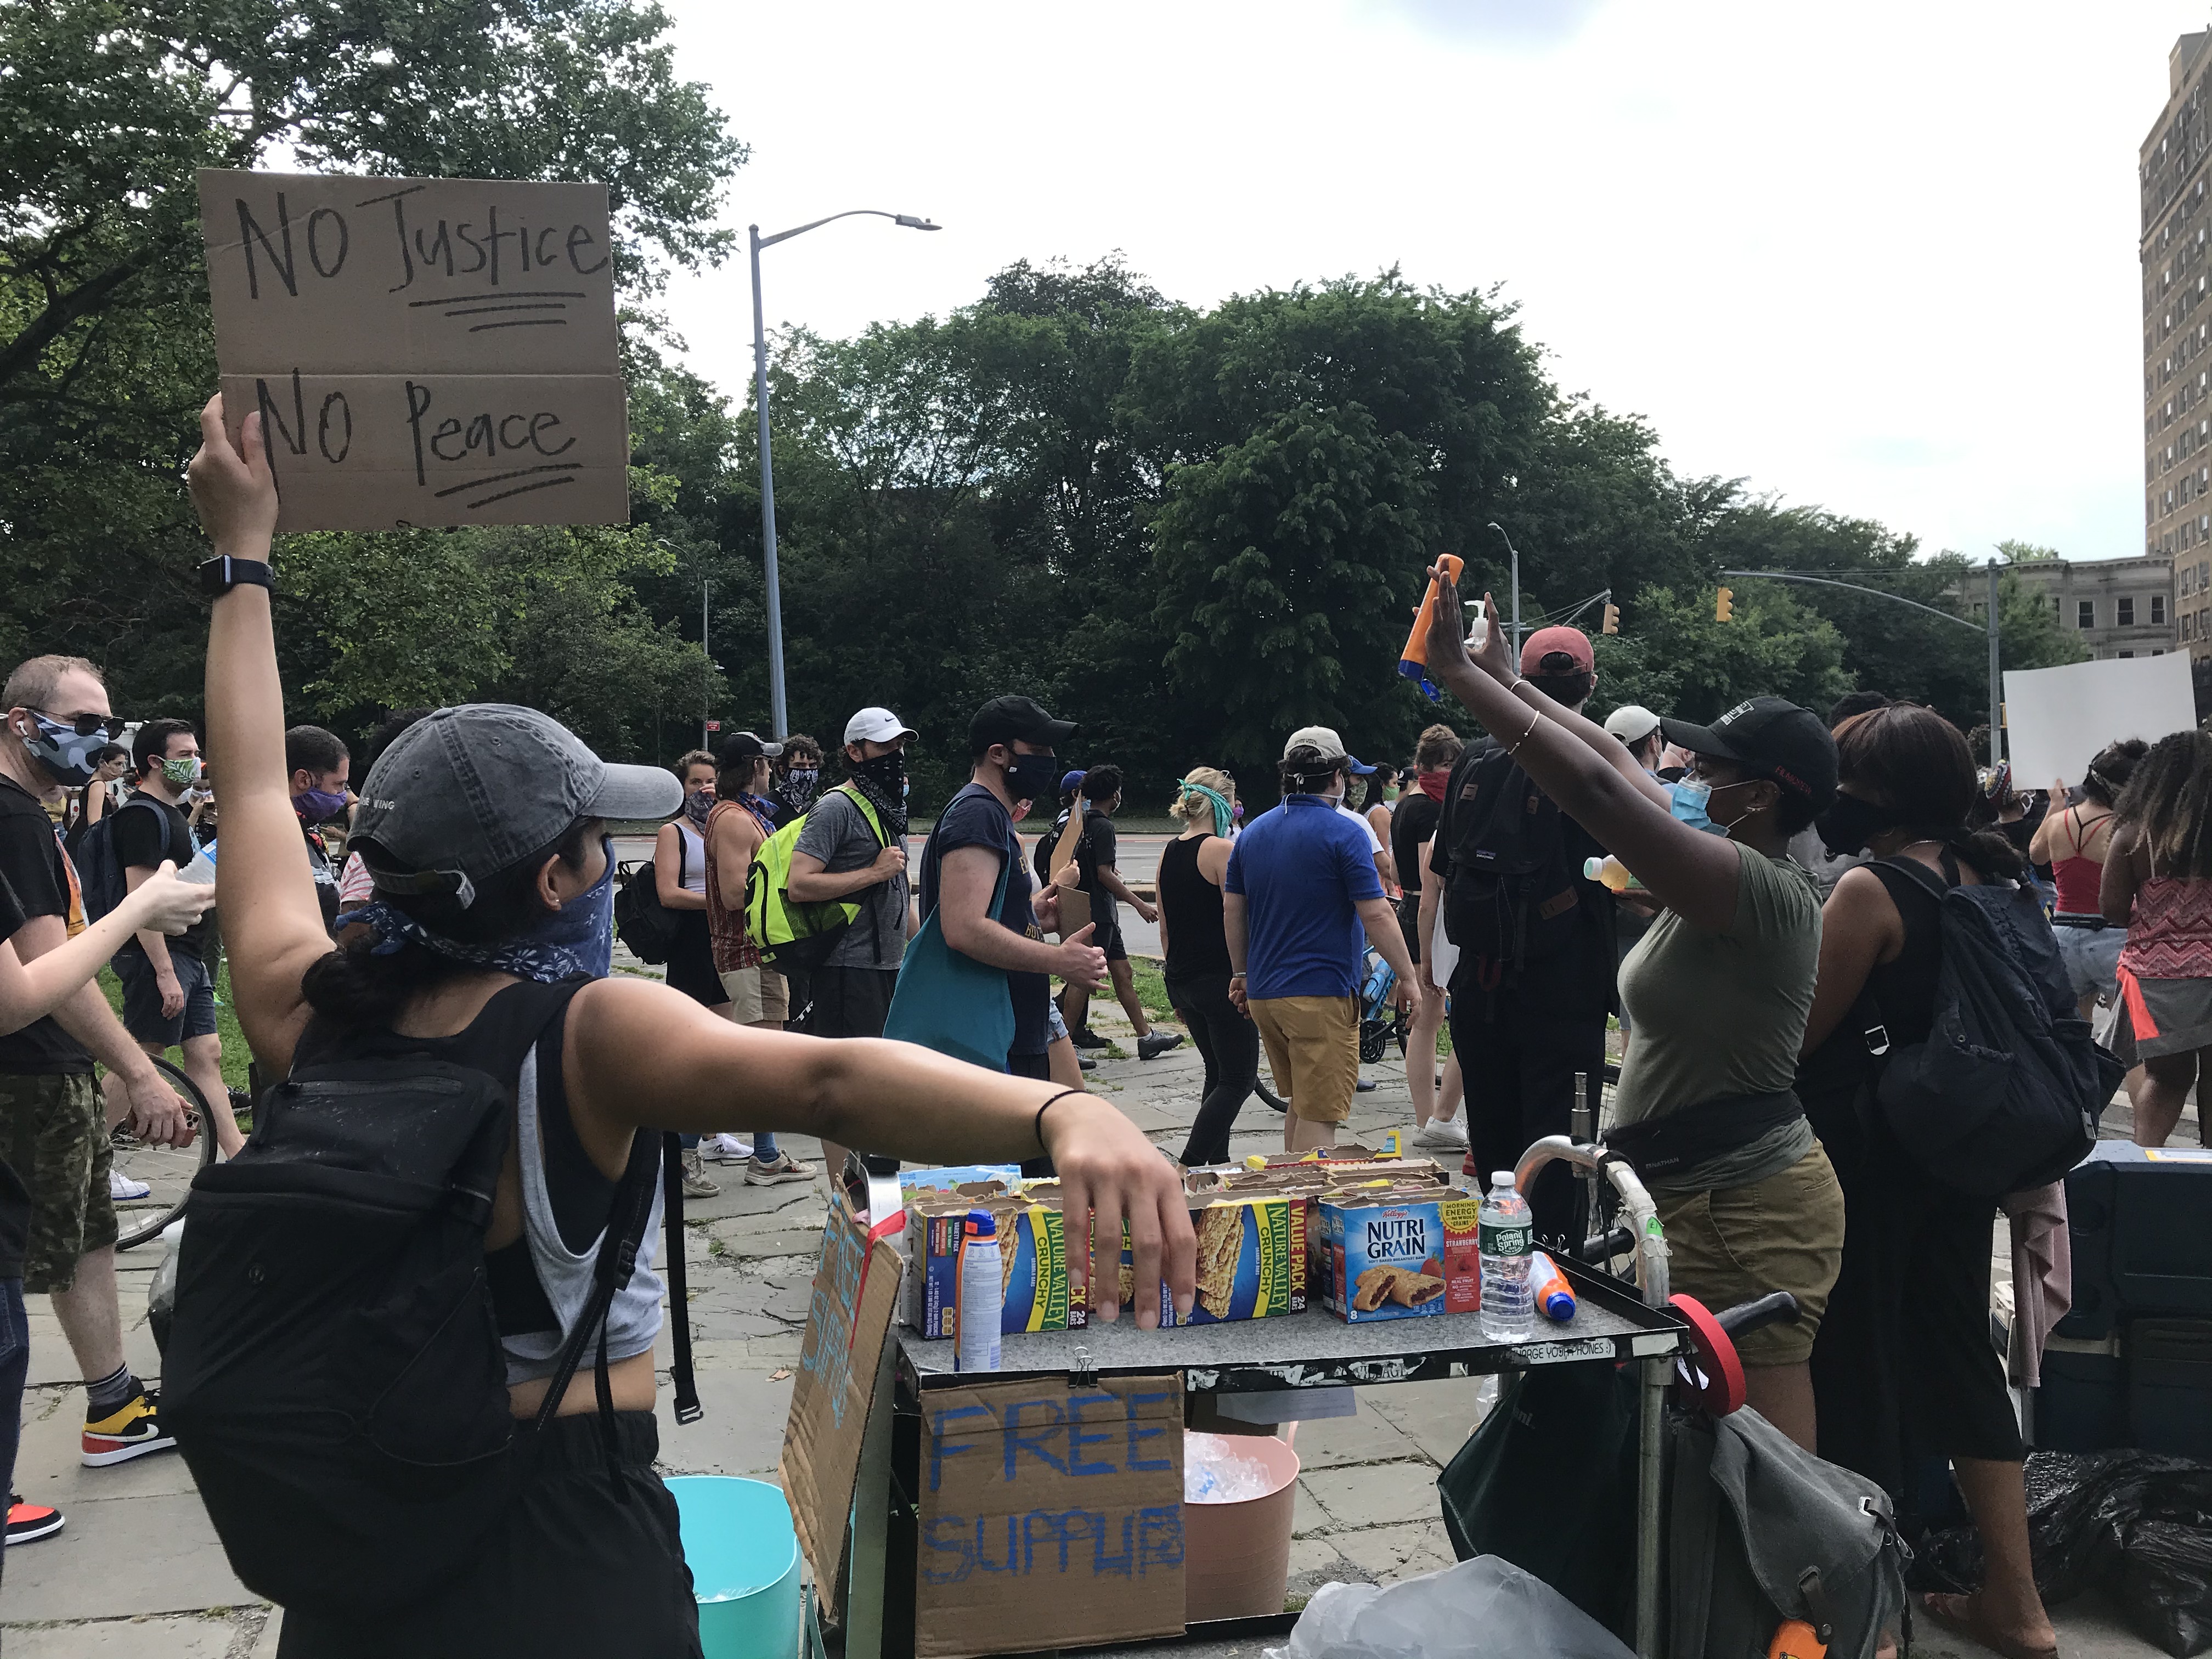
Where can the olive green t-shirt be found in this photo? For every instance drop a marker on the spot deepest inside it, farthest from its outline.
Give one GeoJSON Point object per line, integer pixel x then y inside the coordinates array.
{"type": "Point", "coordinates": [1722, 1013]}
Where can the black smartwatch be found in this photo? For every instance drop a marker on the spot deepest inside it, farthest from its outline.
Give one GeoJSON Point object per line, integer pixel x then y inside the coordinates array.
{"type": "Point", "coordinates": [220, 574]}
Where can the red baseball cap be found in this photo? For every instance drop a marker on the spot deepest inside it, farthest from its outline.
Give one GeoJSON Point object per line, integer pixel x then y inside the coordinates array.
{"type": "Point", "coordinates": [1554, 643]}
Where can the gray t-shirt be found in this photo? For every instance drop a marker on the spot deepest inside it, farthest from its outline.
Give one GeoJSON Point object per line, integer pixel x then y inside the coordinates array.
{"type": "Point", "coordinates": [838, 832]}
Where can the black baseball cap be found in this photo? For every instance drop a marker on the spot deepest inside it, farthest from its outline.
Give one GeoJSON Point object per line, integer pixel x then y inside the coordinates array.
{"type": "Point", "coordinates": [1774, 738]}
{"type": "Point", "coordinates": [1010, 720]}
{"type": "Point", "coordinates": [747, 745]}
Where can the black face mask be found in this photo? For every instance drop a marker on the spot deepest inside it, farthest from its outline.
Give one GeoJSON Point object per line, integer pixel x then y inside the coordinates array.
{"type": "Point", "coordinates": [1850, 824]}
{"type": "Point", "coordinates": [889, 771]}
{"type": "Point", "coordinates": [1032, 777]}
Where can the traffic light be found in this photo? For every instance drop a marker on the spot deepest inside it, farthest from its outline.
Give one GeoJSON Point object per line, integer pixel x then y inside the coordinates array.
{"type": "Point", "coordinates": [1612, 623]}
{"type": "Point", "coordinates": [1725, 605]}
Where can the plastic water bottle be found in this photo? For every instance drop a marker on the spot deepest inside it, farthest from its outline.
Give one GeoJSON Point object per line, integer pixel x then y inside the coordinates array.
{"type": "Point", "coordinates": [982, 1305]}
{"type": "Point", "coordinates": [1612, 874]}
{"type": "Point", "coordinates": [1506, 1234]}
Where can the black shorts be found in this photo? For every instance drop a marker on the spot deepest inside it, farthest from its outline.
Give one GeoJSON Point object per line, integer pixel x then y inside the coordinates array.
{"type": "Point", "coordinates": [691, 962]}
{"type": "Point", "coordinates": [1409, 924]}
{"type": "Point", "coordinates": [590, 1561]}
{"type": "Point", "coordinates": [1106, 927]}
{"type": "Point", "coordinates": [141, 998]}
{"type": "Point", "coordinates": [851, 1002]}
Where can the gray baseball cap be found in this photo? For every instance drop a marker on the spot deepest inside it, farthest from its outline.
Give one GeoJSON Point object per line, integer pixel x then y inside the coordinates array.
{"type": "Point", "coordinates": [466, 792]}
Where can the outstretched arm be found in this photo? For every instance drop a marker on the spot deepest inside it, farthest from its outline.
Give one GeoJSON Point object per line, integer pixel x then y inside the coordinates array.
{"type": "Point", "coordinates": [638, 1054]}
{"type": "Point", "coordinates": [32, 989]}
{"type": "Point", "coordinates": [272, 926]}
{"type": "Point", "coordinates": [1693, 874]}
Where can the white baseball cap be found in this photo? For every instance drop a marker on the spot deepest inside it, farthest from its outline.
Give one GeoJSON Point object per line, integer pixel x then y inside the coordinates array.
{"type": "Point", "coordinates": [1321, 737]}
{"type": "Point", "coordinates": [877, 725]}
{"type": "Point", "coordinates": [1631, 723]}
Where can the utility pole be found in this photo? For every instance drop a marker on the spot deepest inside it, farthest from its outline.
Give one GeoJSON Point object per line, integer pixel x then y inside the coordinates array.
{"type": "Point", "coordinates": [1515, 552]}
{"type": "Point", "coordinates": [1996, 680]}
{"type": "Point", "coordinates": [706, 669]}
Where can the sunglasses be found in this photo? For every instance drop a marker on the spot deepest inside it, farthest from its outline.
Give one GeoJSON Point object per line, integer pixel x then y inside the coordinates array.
{"type": "Point", "coordinates": [86, 725]}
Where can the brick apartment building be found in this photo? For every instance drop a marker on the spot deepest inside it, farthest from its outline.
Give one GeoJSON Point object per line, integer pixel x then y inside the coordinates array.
{"type": "Point", "coordinates": [2176, 250]}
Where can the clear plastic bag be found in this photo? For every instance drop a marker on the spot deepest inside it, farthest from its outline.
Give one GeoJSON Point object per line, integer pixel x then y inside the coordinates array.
{"type": "Point", "coordinates": [1481, 1607]}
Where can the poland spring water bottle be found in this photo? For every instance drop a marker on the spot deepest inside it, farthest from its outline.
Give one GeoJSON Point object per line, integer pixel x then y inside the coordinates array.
{"type": "Point", "coordinates": [981, 1299]}
{"type": "Point", "coordinates": [1506, 1234]}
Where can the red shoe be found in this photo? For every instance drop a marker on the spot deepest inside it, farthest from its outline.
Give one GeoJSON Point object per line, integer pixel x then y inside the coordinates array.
{"type": "Point", "coordinates": [29, 1521]}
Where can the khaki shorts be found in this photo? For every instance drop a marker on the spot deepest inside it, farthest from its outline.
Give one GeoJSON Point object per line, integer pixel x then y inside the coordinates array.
{"type": "Point", "coordinates": [1785, 1233]}
{"type": "Point", "coordinates": [758, 996]}
{"type": "Point", "coordinates": [53, 1133]}
{"type": "Point", "coordinates": [1313, 1048]}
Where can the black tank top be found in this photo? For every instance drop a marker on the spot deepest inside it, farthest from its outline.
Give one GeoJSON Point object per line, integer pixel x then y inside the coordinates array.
{"type": "Point", "coordinates": [1192, 907]}
{"type": "Point", "coordinates": [516, 1018]}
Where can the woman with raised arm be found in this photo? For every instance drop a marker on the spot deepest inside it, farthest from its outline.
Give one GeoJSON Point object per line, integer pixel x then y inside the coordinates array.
{"type": "Point", "coordinates": [1719, 988]}
{"type": "Point", "coordinates": [484, 829]}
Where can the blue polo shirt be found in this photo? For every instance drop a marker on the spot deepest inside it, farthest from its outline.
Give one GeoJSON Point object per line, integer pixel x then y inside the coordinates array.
{"type": "Point", "coordinates": [1302, 868]}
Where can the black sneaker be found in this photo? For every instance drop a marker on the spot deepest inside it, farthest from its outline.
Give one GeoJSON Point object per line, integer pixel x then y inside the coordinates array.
{"type": "Point", "coordinates": [1086, 1063]}
{"type": "Point", "coordinates": [1157, 1043]}
{"type": "Point", "coordinates": [1084, 1037]}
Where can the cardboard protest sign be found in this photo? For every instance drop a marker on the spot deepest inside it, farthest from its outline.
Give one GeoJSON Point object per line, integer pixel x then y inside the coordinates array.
{"type": "Point", "coordinates": [1051, 1515]}
{"type": "Point", "coordinates": [421, 351]}
{"type": "Point", "coordinates": [856, 1289]}
{"type": "Point", "coordinates": [2058, 719]}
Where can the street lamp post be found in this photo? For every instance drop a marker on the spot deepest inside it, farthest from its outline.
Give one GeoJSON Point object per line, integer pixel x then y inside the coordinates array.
{"type": "Point", "coordinates": [775, 701]}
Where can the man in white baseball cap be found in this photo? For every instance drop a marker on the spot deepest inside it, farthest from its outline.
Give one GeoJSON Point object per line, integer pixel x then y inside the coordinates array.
{"type": "Point", "coordinates": [852, 850]}
{"type": "Point", "coordinates": [1637, 727]}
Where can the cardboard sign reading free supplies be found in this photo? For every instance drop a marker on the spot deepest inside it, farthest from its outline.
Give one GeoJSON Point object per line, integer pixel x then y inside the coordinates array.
{"type": "Point", "coordinates": [421, 351]}
{"type": "Point", "coordinates": [1051, 1516]}
{"type": "Point", "coordinates": [849, 1319]}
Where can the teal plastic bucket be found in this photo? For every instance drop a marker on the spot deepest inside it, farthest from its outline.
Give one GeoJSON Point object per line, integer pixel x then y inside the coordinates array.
{"type": "Point", "coordinates": [744, 1557]}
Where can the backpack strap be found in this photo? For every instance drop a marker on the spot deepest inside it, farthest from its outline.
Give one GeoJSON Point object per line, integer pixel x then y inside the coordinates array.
{"type": "Point", "coordinates": [617, 1260]}
{"type": "Point", "coordinates": [688, 1409]}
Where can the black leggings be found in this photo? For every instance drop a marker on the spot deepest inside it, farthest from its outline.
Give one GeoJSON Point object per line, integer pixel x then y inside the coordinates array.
{"type": "Point", "coordinates": [1229, 1045]}
{"type": "Point", "coordinates": [589, 1562]}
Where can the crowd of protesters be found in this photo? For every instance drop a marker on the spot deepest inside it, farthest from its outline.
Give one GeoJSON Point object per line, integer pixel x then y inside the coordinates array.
{"type": "Point", "coordinates": [1786, 873]}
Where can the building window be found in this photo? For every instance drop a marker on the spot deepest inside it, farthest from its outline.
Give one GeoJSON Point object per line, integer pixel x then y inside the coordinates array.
{"type": "Point", "coordinates": [2085, 614]}
{"type": "Point", "coordinates": [2158, 611]}
{"type": "Point", "coordinates": [2123, 655]}
{"type": "Point", "coordinates": [2124, 612]}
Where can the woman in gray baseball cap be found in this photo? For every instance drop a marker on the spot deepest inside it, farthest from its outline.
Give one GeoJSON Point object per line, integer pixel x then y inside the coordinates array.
{"type": "Point", "coordinates": [484, 827]}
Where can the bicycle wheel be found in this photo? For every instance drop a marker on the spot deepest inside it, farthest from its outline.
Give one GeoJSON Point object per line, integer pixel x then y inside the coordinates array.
{"type": "Point", "coordinates": [167, 1171]}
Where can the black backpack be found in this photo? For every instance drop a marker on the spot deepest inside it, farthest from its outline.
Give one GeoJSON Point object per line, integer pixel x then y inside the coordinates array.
{"type": "Point", "coordinates": [1513, 897]}
{"type": "Point", "coordinates": [2006, 1092]}
{"type": "Point", "coordinates": [642, 923]}
{"type": "Point", "coordinates": [99, 872]}
{"type": "Point", "coordinates": [334, 1376]}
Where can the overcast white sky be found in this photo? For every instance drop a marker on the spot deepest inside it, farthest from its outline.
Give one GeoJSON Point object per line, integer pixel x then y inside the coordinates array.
{"type": "Point", "coordinates": [1880, 258]}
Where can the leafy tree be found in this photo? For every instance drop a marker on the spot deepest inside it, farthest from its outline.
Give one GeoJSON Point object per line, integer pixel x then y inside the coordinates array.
{"type": "Point", "coordinates": [107, 108]}
{"type": "Point", "coordinates": [2019, 552]}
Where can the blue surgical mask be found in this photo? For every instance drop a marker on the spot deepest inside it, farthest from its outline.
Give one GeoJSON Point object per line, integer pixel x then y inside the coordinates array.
{"type": "Point", "coordinates": [577, 939]}
{"type": "Point", "coordinates": [1691, 798]}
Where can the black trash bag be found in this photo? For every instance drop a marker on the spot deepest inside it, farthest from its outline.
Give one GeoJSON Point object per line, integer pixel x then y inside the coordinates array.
{"type": "Point", "coordinates": [2166, 1585]}
{"type": "Point", "coordinates": [2135, 1524]}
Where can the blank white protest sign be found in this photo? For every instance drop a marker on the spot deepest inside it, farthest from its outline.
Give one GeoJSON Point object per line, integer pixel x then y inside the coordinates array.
{"type": "Point", "coordinates": [2058, 719]}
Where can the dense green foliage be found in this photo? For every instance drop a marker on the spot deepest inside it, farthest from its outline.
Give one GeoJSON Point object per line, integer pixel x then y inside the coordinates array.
{"type": "Point", "coordinates": [1189, 530]}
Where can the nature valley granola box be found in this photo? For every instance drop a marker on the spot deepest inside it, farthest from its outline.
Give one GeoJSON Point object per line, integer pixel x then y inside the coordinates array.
{"type": "Point", "coordinates": [1252, 1259]}
{"type": "Point", "coordinates": [1032, 1264]}
{"type": "Point", "coordinates": [1397, 1254]}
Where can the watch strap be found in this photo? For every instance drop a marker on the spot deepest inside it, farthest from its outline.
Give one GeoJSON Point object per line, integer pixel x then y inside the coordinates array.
{"type": "Point", "coordinates": [222, 572]}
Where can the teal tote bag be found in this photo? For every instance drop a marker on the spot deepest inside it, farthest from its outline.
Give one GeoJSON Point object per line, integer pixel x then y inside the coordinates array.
{"type": "Point", "coordinates": [953, 1003]}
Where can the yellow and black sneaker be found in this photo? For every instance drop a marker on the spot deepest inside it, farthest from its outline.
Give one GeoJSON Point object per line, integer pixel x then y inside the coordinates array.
{"type": "Point", "coordinates": [133, 1430]}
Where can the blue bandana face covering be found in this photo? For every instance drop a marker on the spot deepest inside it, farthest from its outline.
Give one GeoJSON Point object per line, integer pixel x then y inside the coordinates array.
{"type": "Point", "coordinates": [577, 939]}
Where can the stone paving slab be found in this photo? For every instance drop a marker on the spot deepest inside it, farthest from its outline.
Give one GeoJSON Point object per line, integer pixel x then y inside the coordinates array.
{"type": "Point", "coordinates": [119, 1556]}
{"type": "Point", "coordinates": [188, 1638]}
{"type": "Point", "coordinates": [1371, 1494]}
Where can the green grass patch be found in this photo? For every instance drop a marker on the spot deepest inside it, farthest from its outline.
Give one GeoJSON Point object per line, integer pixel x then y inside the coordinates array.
{"type": "Point", "coordinates": [1151, 987]}
{"type": "Point", "coordinates": [236, 1057]}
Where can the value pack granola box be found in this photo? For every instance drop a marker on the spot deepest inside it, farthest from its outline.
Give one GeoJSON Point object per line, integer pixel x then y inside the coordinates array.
{"type": "Point", "coordinates": [1252, 1259]}
{"type": "Point", "coordinates": [1032, 1264]}
{"type": "Point", "coordinates": [1399, 1254]}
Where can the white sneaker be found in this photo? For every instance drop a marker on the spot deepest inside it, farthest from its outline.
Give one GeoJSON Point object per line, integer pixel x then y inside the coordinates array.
{"type": "Point", "coordinates": [726, 1149]}
{"type": "Point", "coordinates": [1441, 1134]}
{"type": "Point", "coordinates": [785, 1168]}
{"type": "Point", "coordinates": [120, 1185]}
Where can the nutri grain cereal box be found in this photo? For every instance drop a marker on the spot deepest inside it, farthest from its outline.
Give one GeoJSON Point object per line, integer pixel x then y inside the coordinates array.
{"type": "Point", "coordinates": [1399, 1255]}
